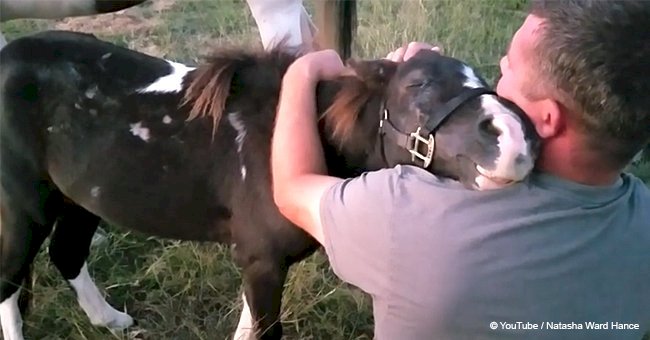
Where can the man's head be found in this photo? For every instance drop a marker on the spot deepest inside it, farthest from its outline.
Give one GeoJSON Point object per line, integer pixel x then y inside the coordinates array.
{"type": "Point", "coordinates": [577, 67]}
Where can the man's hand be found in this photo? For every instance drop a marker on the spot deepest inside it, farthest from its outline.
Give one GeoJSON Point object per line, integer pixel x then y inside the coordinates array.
{"type": "Point", "coordinates": [316, 66]}
{"type": "Point", "coordinates": [405, 52]}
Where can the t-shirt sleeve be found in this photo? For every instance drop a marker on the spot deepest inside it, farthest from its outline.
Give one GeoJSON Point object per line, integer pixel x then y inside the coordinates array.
{"type": "Point", "coordinates": [356, 221]}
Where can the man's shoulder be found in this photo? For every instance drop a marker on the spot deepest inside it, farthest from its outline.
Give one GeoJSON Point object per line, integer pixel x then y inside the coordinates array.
{"type": "Point", "coordinates": [637, 184]}
{"type": "Point", "coordinates": [417, 174]}
{"type": "Point", "coordinates": [400, 178]}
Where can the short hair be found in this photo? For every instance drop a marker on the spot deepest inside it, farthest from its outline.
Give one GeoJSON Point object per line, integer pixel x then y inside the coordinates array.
{"type": "Point", "coordinates": [593, 56]}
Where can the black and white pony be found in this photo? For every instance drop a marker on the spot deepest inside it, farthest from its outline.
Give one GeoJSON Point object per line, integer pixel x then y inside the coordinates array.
{"type": "Point", "coordinates": [90, 131]}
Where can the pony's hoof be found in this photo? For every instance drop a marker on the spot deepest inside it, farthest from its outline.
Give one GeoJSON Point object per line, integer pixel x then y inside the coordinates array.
{"type": "Point", "coordinates": [100, 237]}
{"type": "Point", "coordinates": [118, 321]}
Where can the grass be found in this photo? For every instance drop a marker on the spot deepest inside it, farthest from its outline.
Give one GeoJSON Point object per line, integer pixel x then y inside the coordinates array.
{"type": "Point", "coordinates": [184, 290]}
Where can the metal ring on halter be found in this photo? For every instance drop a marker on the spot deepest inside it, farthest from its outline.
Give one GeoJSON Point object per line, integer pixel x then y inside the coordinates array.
{"type": "Point", "coordinates": [414, 145]}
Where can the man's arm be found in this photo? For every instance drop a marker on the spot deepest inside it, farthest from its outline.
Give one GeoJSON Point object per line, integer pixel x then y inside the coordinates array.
{"type": "Point", "coordinates": [297, 160]}
{"type": "Point", "coordinates": [350, 218]}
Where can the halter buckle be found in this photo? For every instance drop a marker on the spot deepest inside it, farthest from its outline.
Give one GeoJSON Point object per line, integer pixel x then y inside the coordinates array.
{"type": "Point", "coordinates": [413, 146]}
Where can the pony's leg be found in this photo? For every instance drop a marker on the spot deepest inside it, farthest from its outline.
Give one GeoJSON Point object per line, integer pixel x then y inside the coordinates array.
{"type": "Point", "coordinates": [22, 232]}
{"type": "Point", "coordinates": [263, 284]}
{"type": "Point", "coordinates": [69, 249]}
{"type": "Point", "coordinates": [245, 328]}
{"type": "Point", "coordinates": [282, 19]}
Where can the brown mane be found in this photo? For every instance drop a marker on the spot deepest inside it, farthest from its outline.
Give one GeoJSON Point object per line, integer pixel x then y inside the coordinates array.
{"type": "Point", "coordinates": [356, 92]}
{"type": "Point", "coordinates": [342, 115]}
{"type": "Point", "coordinates": [211, 83]}
{"type": "Point", "coordinates": [210, 87]}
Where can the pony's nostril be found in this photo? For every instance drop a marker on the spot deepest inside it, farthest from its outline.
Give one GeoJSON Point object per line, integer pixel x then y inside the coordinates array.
{"type": "Point", "coordinates": [521, 159]}
{"type": "Point", "coordinates": [487, 126]}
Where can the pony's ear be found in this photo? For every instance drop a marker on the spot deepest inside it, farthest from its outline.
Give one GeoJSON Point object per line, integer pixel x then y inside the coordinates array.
{"type": "Point", "coordinates": [374, 73]}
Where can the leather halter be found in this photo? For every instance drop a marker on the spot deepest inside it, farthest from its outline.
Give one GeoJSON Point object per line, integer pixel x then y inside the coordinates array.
{"type": "Point", "coordinates": [423, 134]}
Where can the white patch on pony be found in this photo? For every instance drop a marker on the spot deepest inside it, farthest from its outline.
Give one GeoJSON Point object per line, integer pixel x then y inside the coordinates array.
{"type": "Point", "coordinates": [243, 172]}
{"type": "Point", "coordinates": [10, 319]}
{"type": "Point", "coordinates": [94, 305]}
{"type": "Point", "coordinates": [471, 79]}
{"type": "Point", "coordinates": [50, 128]}
{"type": "Point", "coordinates": [95, 191]}
{"type": "Point", "coordinates": [172, 82]}
{"type": "Point", "coordinates": [238, 124]}
{"type": "Point", "coordinates": [138, 130]}
{"type": "Point", "coordinates": [245, 329]}
{"type": "Point", "coordinates": [514, 161]}
{"type": "Point", "coordinates": [167, 119]}
{"type": "Point", "coordinates": [91, 92]}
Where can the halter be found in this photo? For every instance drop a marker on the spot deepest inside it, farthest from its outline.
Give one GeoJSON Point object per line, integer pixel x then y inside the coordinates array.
{"type": "Point", "coordinates": [424, 135]}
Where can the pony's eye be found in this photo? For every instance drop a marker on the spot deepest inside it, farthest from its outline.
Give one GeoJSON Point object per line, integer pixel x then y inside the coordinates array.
{"type": "Point", "coordinates": [419, 84]}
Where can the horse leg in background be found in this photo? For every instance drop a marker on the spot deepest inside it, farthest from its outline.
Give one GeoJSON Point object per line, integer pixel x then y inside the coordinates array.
{"type": "Point", "coordinates": [27, 215]}
{"type": "Point", "coordinates": [282, 19]}
{"type": "Point", "coordinates": [58, 9]}
{"type": "Point", "coordinates": [69, 249]}
{"type": "Point", "coordinates": [262, 299]}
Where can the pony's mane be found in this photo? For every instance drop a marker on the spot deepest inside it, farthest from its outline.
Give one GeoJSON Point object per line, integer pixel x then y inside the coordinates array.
{"type": "Point", "coordinates": [342, 115]}
{"type": "Point", "coordinates": [354, 96]}
{"type": "Point", "coordinates": [211, 83]}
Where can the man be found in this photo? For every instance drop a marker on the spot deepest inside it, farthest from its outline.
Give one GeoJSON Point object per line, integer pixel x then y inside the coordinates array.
{"type": "Point", "coordinates": [566, 251]}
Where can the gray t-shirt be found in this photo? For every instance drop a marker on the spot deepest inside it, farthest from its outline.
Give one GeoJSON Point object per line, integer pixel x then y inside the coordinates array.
{"type": "Point", "coordinates": [443, 262]}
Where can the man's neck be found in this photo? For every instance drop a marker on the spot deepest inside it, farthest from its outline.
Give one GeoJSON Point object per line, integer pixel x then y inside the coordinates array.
{"type": "Point", "coordinates": [577, 165]}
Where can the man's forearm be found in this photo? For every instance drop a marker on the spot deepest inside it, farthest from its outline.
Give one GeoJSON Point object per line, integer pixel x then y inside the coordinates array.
{"type": "Point", "coordinates": [296, 146]}
{"type": "Point", "coordinates": [297, 162]}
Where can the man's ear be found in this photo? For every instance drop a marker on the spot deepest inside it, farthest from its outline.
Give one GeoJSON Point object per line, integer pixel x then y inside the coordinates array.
{"type": "Point", "coordinates": [553, 120]}
{"type": "Point", "coordinates": [375, 74]}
